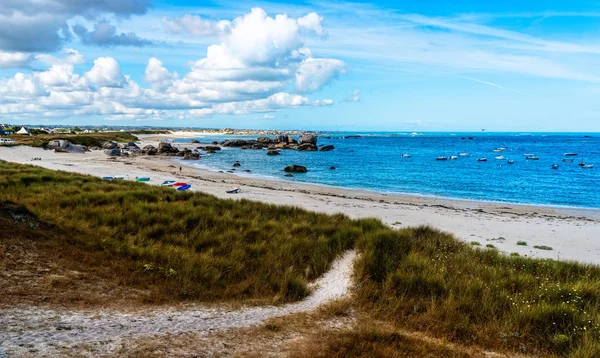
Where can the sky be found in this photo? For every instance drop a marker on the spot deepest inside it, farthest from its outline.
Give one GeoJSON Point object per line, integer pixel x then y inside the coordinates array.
{"type": "Point", "coordinates": [329, 65]}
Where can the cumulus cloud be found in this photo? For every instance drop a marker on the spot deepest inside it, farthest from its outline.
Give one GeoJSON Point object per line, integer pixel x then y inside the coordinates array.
{"type": "Point", "coordinates": [259, 60]}
{"type": "Point", "coordinates": [14, 59]}
{"type": "Point", "coordinates": [105, 34]}
{"type": "Point", "coordinates": [195, 25]}
{"type": "Point", "coordinates": [106, 73]}
{"type": "Point", "coordinates": [40, 26]}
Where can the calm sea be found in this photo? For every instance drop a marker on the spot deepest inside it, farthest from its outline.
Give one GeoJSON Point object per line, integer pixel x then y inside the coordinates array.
{"type": "Point", "coordinates": [374, 162]}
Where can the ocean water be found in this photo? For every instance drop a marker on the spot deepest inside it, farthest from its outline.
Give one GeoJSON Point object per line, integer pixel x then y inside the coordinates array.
{"type": "Point", "coordinates": [374, 162]}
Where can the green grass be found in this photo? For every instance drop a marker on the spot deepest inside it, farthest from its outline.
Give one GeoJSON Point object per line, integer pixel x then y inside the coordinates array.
{"type": "Point", "coordinates": [426, 280]}
{"type": "Point", "coordinates": [490, 246]}
{"type": "Point", "coordinates": [521, 243]}
{"type": "Point", "coordinates": [542, 247]}
{"type": "Point", "coordinates": [202, 247]}
{"type": "Point", "coordinates": [475, 243]}
{"type": "Point", "coordinates": [87, 139]}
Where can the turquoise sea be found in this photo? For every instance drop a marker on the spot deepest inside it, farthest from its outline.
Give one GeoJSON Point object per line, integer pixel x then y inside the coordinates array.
{"type": "Point", "coordinates": [374, 161]}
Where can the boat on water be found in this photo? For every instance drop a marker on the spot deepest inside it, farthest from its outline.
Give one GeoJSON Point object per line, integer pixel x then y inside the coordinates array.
{"type": "Point", "coordinates": [570, 154]}
{"type": "Point", "coordinates": [441, 158]}
{"type": "Point", "coordinates": [532, 158]}
{"type": "Point", "coordinates": [568, 160]}
{"type": "Point", "coordinates": [142, 179]}
{"type": "Point", "coordinates": [453, 157]}
{"type": "Point", "coordinates": [499, 149]}
{"type": "Point", "coordinates": [528, 155]}
{"type": "Point", "coordinates": [554, 166]}
{"type": "Point", "coordinates": [464, 154]}
{"type": "Point", "coordinates": [482, 160]}
{"type": "Point", "coordinates": [184, 187]}
{"type": "Point", "coordinates": [405, 155]}
{"type": "Point", "coordinates": [510, 161]}
{"type": "Point", "coordinates": [500, 157]}
{"type": "Point", "coordinates": [587, 166]}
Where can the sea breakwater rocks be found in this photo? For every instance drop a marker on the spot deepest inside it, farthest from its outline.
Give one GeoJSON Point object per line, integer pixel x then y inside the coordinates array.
{"type": "Point", "coordinates": [327, 148]}
{"type": "Point", "coordinates": [307, 147]}
{"type": "Point", "coordinates": [295, 169]}
{"type": "Point", "coordinates": [273, 152]}
{"type": "Point", "coordinates": [308, 139]}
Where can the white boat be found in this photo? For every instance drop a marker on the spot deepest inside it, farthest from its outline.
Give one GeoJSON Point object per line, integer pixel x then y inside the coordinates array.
{"type": "Point", "coordinates": [500, 157]}
{"type": "Point", "coordinates": [482, 160]}
{"type": "Point", "coordinates": [405, 155]}
{"type": "Point", "coordinates": [587, 166]}
{"type": "Point", "coordinates": [529, 155]}
{"type": "Point", "coordinates": [464, 154]}
{"type": "Point", "coordinates": [533, 157]}
{"type": "Point", "coordinates": [168, 182]}
{"type": "Point", "coordinates": [453, 157]}
{"type": "Point", "coordinates": [441, 158]}
{"type": "Point", "coordinates": [510, 162]}
{"type": "Point", "coordinates": [570, 154]}
{"type": "Point", "coordinates": [499, 149]}
{"type": "Point", "coordinates": [554, 166]}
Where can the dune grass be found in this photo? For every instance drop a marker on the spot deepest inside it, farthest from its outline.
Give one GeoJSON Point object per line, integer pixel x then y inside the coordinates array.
{"type": "Point", "coordinates": [87, 139]}
{"type": "Point", "coordinates": [200, 246]}
{"type": "Point", "coordinates": [426, 280]}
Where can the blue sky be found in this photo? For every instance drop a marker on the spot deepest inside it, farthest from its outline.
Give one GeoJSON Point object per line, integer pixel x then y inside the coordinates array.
{"type": "Point", "coordinates": [408, 66]}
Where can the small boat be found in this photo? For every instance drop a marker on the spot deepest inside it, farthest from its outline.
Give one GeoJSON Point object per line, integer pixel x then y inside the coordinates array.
{"type": "Point", "coordinates": [142, 179]}
{"type": "Point", "coordinates": [510, 161]}
{"type": "Point", "coordinates": [554, 166]}
{"type": "Point", "coordinates": [453, 157]}
{"type": "Point", "coordinates": [587, 166]}
{"type": "Point", "coordinates": [184, 187]}
{"type": "Point", "coordinates": [179, 183]}
{"type": "Point", "coordinates": [568, 160]}
{"type": "Point", "coordinates": [233, 191]}
{"type": "Point", "coordinates": [581, 164]}
{"type": "Point", "coordinates": [464, 154]}
{"type": "Point", "coordinates": [120, 177]}
{"type": "Point", "coordinates": [441, 158]}
{"type": "Point", "coordinates": [499, 149]}
{"type": "Point", "coordinates": [168, 182]}
{"type": "Point", "coordinates": [570, 154]}
{"type": "Point", "coordinates": [532, 158]}
{"type": "Point", "coordinates": [405, 155]}
{"type": "Point", "coordinates": [529, 155]}
{"type": "Point", "coordinates": [500, 157]}
{"type": "Point", "coordinates": [482, 160]}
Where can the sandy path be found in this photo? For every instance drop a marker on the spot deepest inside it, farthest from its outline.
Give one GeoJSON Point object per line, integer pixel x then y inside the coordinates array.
{"type": "Point", "coordinates": [26, 330]}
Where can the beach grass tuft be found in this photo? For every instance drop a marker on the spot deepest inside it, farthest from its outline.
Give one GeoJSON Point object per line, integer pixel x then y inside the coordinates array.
{"type": "Point", "coordinates": [521, 243]}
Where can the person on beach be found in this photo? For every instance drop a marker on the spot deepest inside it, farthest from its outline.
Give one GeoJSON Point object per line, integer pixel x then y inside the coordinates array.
{"type": "Point", "coordinates": [180, 169]}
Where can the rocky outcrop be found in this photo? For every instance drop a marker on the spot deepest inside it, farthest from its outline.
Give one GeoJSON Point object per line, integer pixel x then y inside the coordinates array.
{"type": "Point", "coordinates": [327, 148]}
{"type": "Point", "coordinates": [288, 175]}
{"type": "Point", "coordinates": [191, 156]}
{"type": "Point", "coordinates": [115, 152]}
{"type": "Point", "coordinates": [332, 168]}
{"type": "Point", "coordinates": [282, 138]}
{"type": "Point", "coordinates": [110, 145]}
{"type": "Point", "coordinates": [64, 146]}
{"type": "Point", "coordinates": [308, 138]}
{"type": "Point", "coordinates": [194, 141]}
{"type": "Point", "coordinates": [291, 140]}
{"type": "Point", "coordinates": [167, 148]}
{"type": "Point", "coordinates": [237, 164]}
{"type": "Point", "coordinates": [307, 147]}
{"type": "Point", "coordinates": [273, 152]}
{"type": "Point", "coordinates": [238, 143]}
{"type": "Point", "coordinates": [295, 169]}
{"type": "Point", "coordinates": [150, 150]}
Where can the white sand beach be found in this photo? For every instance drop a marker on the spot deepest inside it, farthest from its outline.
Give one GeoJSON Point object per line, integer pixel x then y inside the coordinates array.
{"type": "Point", "coordinates": [573, 234]}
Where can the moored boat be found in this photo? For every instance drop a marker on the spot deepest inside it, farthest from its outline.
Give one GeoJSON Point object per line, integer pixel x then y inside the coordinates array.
{"type": "Point", "coordinates": [405, 155]}
{"type": "Point", "coordinates": [441, 158]}
{"type": "Point", "coordinates": [453, 157]}
{"type": "Point", "coordinates": [510, 161]}
{"type": "Point", "coordinates": [464, 154]}
{"type": "Point", "coordinates": [500, 157]}
{"type": "Point", "coordinates": [482, 160]}
{"type": "Point", "coordinates": [587, 166]}
{"type": "Point", "coordinates": [142, 179]}
{"type": "Point", "coordinates": [570, 154]}
{"type": "Point", "coordinates": [568, 160]}
{"type": "Point", "coordinates": [533, 157]}
{"type": "Point", "coordinates": [554, 166]}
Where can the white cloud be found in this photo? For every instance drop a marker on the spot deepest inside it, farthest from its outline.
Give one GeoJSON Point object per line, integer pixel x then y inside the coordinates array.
{"type": "Point", "coordinates": [106, 73]}
{"type": "Point", "coordinates": [312, 22]}
{"type": "Point", "coordinates": [314, 73]}
{"type": "Point", "coordinates": [195, 26]}
{"type": "Point", "coordinates": [14, 59]}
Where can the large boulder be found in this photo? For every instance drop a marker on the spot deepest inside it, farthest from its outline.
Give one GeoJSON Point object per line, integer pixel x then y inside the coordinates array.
{"type": "Point", "coordinates": [307, 147]}
{"type": "Point", "coordinates": [295, 169]}
{"type": "Point", "coordinates": [115, 152]}
{"type": "Point", "coordinates": [150, 150]}
{"type": "Point", "coordinates": [64, 146]}
{"type": "Point", "coordinates": [110, 145]}
{"type": "Point", "coordinates": [166, 148]}
{"type": "Point", "coordinates": [238, 143]}
{"type": "Point", "coordinates": [194, 141]}
{"type": "Point", "coordinates": [211, 148]}
{"type": "Point", "coordinates": [273, 152]}
{"type": "Point", "coordinates": [191, 156]}
{"type": "Point", "coordinates": [282, 138]}
{"type": "Point", "coordinates": [264, 140]}
{"type": "Point", "coordinates": [327, 148]}
{"type": "Point", "coordinates": [291, 140]}
{"type": "Point", "coordinates": [308, 138]}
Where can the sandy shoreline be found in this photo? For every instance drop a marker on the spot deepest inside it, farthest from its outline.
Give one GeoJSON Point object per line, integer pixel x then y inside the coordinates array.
{"type": "Point", "coordinates": [574, 234]}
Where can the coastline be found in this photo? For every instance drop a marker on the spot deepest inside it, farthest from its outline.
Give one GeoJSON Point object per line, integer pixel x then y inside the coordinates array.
{"type": "Point", "coordinates": [571, 232]}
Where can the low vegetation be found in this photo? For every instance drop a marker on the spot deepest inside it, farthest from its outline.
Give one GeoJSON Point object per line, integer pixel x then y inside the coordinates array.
{"type": "Point", "coordinates": [542, 247]}
{"type": "Point", "coordinates": [87, 139]}
{"type": "Point", "coordinates": [521, 243]}
{"type": "Point", "coordinates": [195, 245]}
{"type": "Point", "coordinates": [426, 280]}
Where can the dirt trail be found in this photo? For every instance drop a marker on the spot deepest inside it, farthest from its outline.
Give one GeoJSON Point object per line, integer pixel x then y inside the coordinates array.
{"type": "Point", "coordinates": [46, 332]}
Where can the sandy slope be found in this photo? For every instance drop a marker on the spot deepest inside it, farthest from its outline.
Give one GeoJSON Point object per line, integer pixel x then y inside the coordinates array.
{"type": "Point", "coordinates": [23, 330]}
{"type": "Point", "coordinates": [574, 234]}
